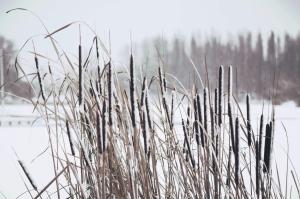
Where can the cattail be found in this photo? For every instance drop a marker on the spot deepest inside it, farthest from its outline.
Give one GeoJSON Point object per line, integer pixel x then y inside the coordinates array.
{"type": "Point", "coordinates": [97, 48]}
{"type": "Point", "coordinates": [39, 78]}
{"type": "Point", "coordinates": [260, 136]}
{"type": "Point", "coordinates": [221, 75]}
{"type": "Point", "coordinates": [30, 179]}
{"type": "Point", "coordinates": [148, 111]}
{"type": "Point", "coordinates": [161, 81]}
{"type": "Point", "coordinates": [268, 148]}
{"type": "Point", "coordinates": [109, 84]}
{"type": "Point", "coordinates": [98, 130]}
{"type": "Point", "coordinates": [143, 91]}
{"type": "Point", "coordinates": [80, 97]}
{"type": "Point", "coordinates": [104, 126]}
{"type": "Point", "coordinates": [188, 144]}
{"type": "Point", "coordinates": [187, 127]}
{"type": "Point", "coordinates": [144, 131]}
{"type": "Point", "coordinates": [229, 83]}
{"type": "Point", "coordinates": [229, 168]}
{"type": "Point", "coordinates": [49, 69]}
{"type": "Point", "coordinates": [99, 78]}
{"type": "Point", "coordinates": [196, 122]}
{"type": "Point", "coordinates": [205, 97]}
{"type": "Point", "coordinates": [231, 127]}
{"type": "Point", "coordinates": [70, 138]}
{"type": "Point", "coordinates": [172, 109]}
{"type": "Point", "coordinates": [132, 96]}
{"type": "Point", "coordinates": [165, 82]}
{"type": "Point", "coordinates": [216, 139]}
{"type": "Point", "coordinates": [248, 121]}
{"type": "Point", "coordinates": [257, 168]}
{"type": "Point", "coordinates": [237, 151]}
{"type": "Point", "coordinates": [216, 105]}
{"type": "Point", "coordinates": [200, 119]}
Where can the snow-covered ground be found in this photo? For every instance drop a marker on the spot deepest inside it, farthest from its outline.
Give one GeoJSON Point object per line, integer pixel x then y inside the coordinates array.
{"type": "Point", "coordinates": [29, 141]}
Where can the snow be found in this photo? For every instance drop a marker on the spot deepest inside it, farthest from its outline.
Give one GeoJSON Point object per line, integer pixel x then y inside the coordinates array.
{"type": "Point", "coordinates": [30, 140]}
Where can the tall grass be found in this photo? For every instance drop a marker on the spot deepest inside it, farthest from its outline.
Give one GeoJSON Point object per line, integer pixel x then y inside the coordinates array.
{"type": "Point", "coordinates": [161, 141]}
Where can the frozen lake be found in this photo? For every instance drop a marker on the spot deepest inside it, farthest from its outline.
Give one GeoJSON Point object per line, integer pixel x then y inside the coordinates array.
{"type": "Point", "coordinates": [17, 133]}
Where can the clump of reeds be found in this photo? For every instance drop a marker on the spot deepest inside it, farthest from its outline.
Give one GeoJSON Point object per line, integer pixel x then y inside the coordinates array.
{"type": "Point", "coordinates": [193, 147]}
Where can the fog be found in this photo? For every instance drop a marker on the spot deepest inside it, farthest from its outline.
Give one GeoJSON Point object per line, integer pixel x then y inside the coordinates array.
{"type": "Point", "coordinates": [144, 19]}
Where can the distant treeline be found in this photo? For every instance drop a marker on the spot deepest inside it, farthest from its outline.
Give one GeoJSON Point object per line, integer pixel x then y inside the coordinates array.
{"type": "Point", "coordinates": [12, 83]}
{"type": "Point", "coordinates": [263, 68]}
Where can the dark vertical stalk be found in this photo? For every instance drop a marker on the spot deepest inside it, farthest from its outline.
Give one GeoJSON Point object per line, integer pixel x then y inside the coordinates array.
{"type": "Point", "coordinates": [231, 127]}
{"type": "Point", "coordinates": [109, 84]}
{"type": "Point", "coordinates": [39, 78]}
{"type": "Point", "coordinates": [104, 126]}
{"type": "Point", "coordinates": [237, 151]}
{"type": "Point", "coordinates": [268, 148]}
{"type": "Point", "coordinates": [187, 143]}
{"type": "Point", "coordinates": [80, 97]}
{"type": "Point", "coordinates": [220, 94]}
{"type": "Point", "coordinates": [132, 97]}
{"type": "Point", "coordinates": [200, 119]}
{"type": "Point", "coordinates": [248, 121]}
{"type": "Point", "coordinates": [229, 84]}
{"type": "Point", "coordinates": [205, 97]}
{"type": "Point", "coordinates": [260, 136]}
{"type": "Point", "coordinates": [148, 111]}
{"type": "Point", "coordinates": [196, 122]}
{"type": "Point", "coordinates": [98, 130]}
{"type": "Point", "coordinates": [257, 167]}
{"type": "Point", "coordinates": [70, 138]}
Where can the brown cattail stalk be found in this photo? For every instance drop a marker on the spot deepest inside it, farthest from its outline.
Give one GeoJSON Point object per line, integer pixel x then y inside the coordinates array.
{"type": "Point", "coordinates": [221, 79]}
{"type": "Point", "coordinates": [144, 132]}
{"type": "Point", "coordinates": [196, 122]}
{"type": "Point", "coordinates": [188, 144]}
{"type": "Point", "coordinates": [104, 126]}
{"type": "Point", "coordinates": [268, 148]}
{"type": "Point", "coordinates": [260, 136]}
{"type": "Point", "coordinates": [205, 97]}
{"type": "Point", "coordinates": [143, 91]}
{"type": "Point", "coordinates": [237, 152]}
{"type": "Point", "coordinates": [248, 121]}
{"type": "Point", "coordinates": [132, 94]}
{"type": "Point", "coordinates": [98, 130]}
{"type": "Point", "coordinates": [80, 97]}
{"type": "Point", "coordinates": [231, 127]}
{"type": "Point", "coordinates": [200, 119]}
{"type": "Point", "coordinates": [257, 168]}
{"type": "Point", "coordinates": [30, 179]}
{"type": "Point", "coordinates": [39, 78]}
{"type": "Point", "coordinates": [148, 111]}
{"type": "Point", "coordinates": [229, 84]}
{"type": "Point", "coordinates": [70, 138]}
{"type": "Point", "coordinates": [229, 168]}
{"type": "Point", "coordinates": [109, 85]}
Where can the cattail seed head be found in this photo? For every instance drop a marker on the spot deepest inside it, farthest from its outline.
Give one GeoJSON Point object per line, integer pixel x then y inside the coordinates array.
{"type": "Point", "coordinates": [221, 79]}
{"type": "Point", "coordinates": [237, 151]}
{"type": "Point", "coordinates": [248, 121]}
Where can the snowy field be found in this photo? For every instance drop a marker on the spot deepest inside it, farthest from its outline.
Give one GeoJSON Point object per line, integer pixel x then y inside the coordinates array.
{"type": "Point", "coordinates": [29, 141]}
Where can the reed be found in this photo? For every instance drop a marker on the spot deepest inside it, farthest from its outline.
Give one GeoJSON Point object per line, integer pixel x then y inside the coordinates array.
{"type": "Point", "coordinates": [237, 153]}
{"type": "Point", "coordinates": [27, 174]}
{"type": "Point", "coordinates": [70, 138]}
{"type": "Point", "coordinates": [220, 97]}
{"type": "Point", "coordinates": [268, 148]}
{"type": "Point", "coordinates": [248, 121]}
{"type": "Point", "coordinates": [106, 159]}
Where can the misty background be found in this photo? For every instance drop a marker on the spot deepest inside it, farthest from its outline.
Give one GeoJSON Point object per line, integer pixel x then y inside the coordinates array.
{"type": "Point", "coordinates": [260, 39]}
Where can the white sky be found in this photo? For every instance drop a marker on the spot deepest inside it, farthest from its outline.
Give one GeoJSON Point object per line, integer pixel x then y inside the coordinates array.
{"type": "Point", "coordinates": [148, 18]}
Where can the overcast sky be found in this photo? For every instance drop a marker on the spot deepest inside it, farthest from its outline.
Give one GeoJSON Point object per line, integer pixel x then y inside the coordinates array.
{"type": "Point", "coordinates": [149, 18]}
